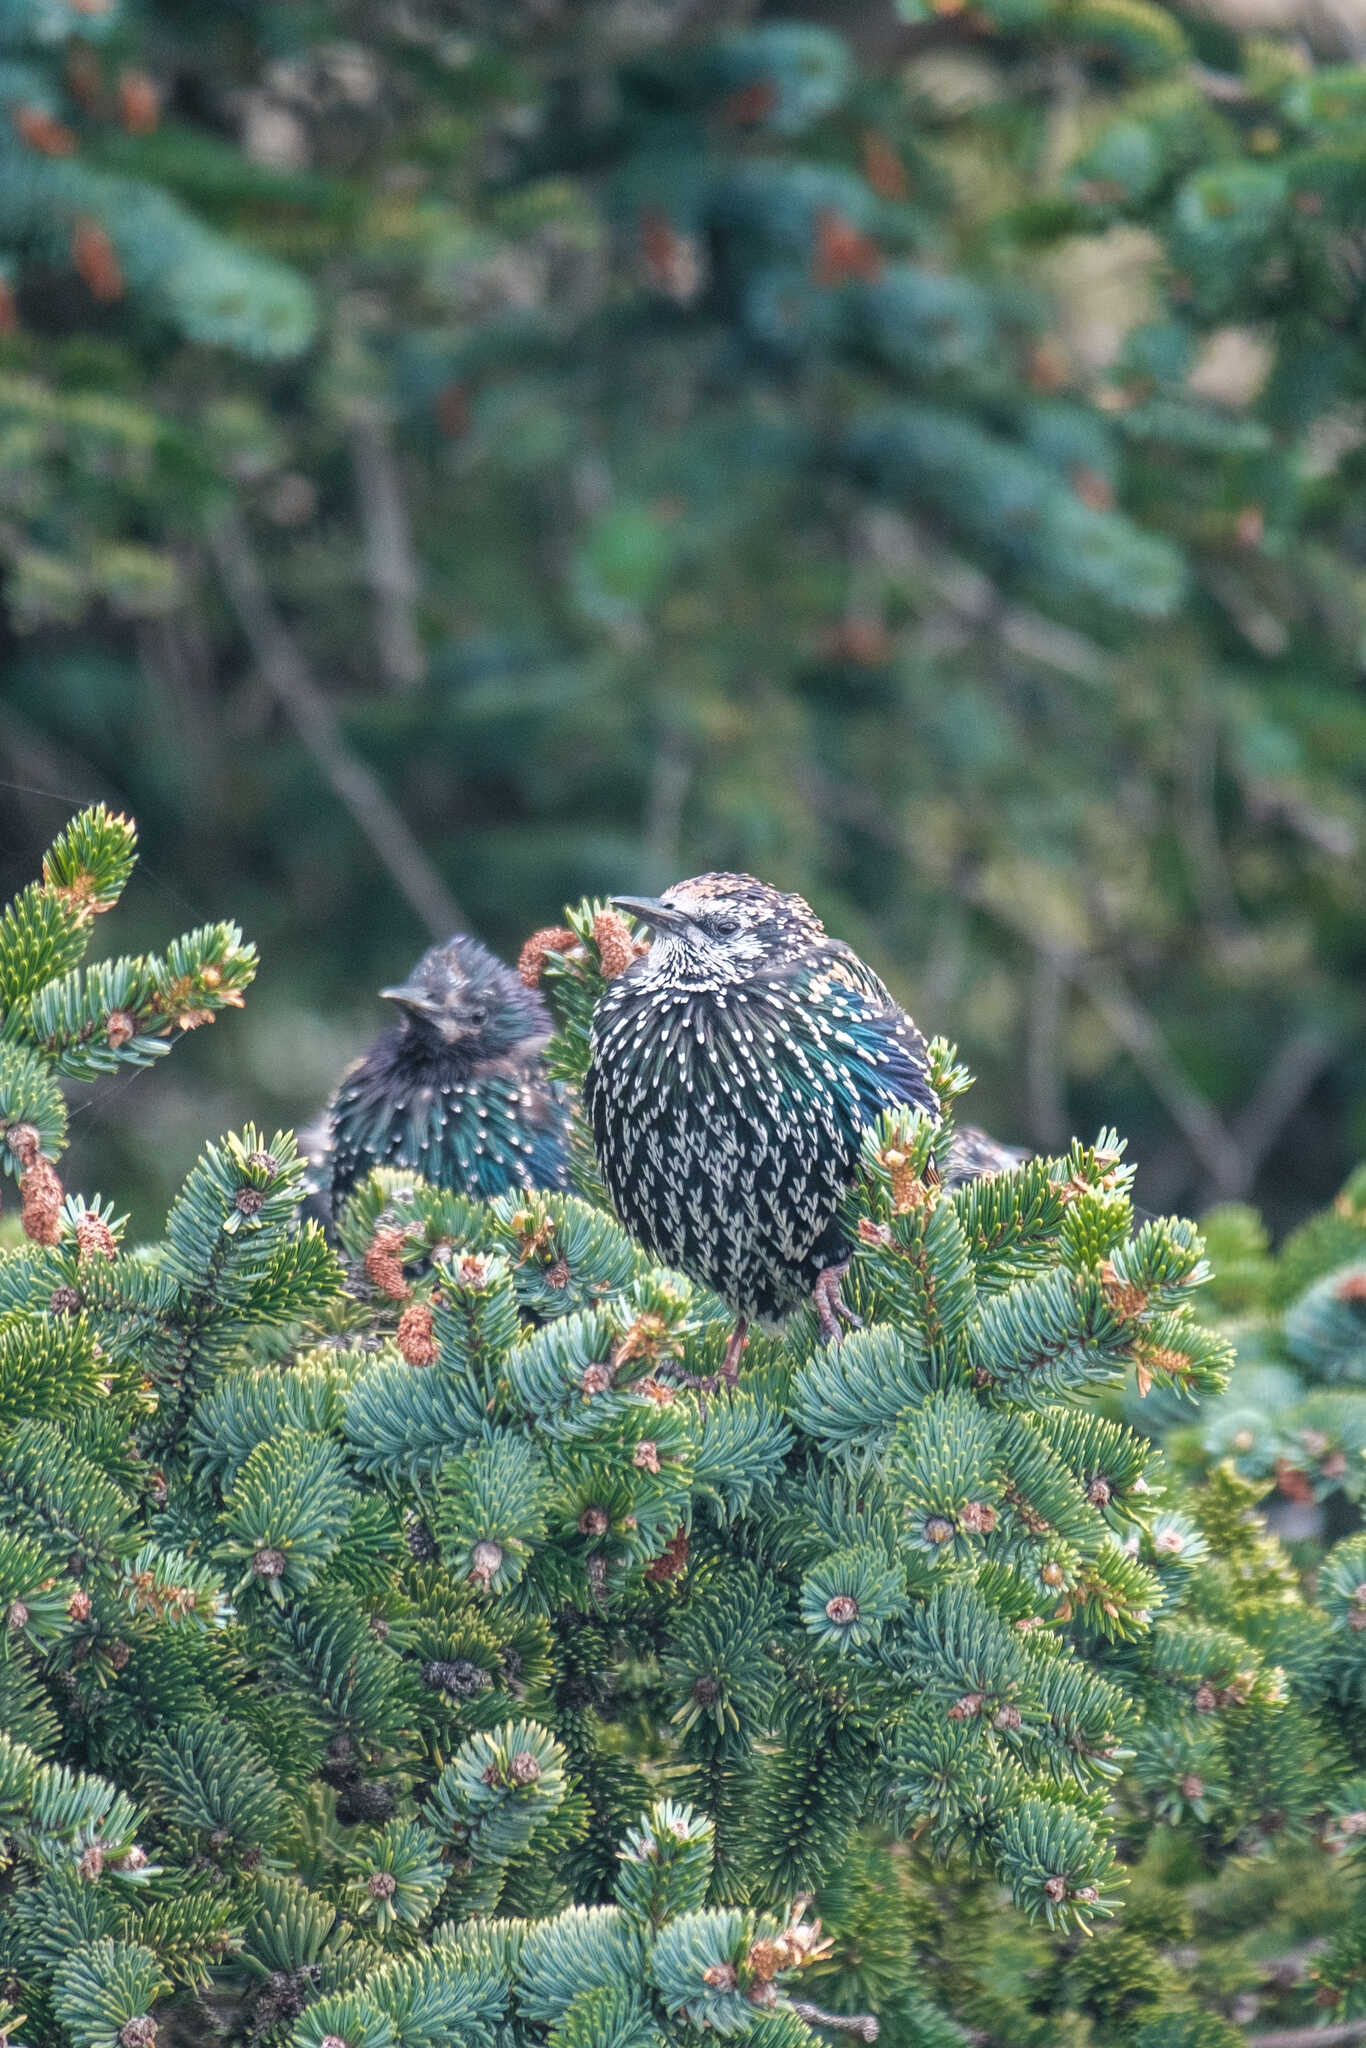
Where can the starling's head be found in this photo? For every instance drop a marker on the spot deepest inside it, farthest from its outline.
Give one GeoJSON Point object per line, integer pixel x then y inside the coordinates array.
{"type": "Point", "coordinates": [459, 998]}
{"type": "Point", "coordinates": [717, 929]}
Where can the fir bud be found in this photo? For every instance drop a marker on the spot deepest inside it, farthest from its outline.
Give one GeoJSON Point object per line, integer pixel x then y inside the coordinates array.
{"type": "Point", "coordinates": [1099, 1492]}
{"type": "Point", "coordinates": [706, 1691]}
{"type": "Point", "coordinates": [91, 1865]}
{"type": "Point", "coordinates": [597, 1378]}
{"type": "Point", "coordinates": [1055, 1888]}
{"type": "Point", "coordinates": [671, 1559]}
{"type": "Point", "coordinates": [384, 1264]}
{"type": "Point", "coordinates": [1192, 1787]}
{"type": "Point", "coordinates": [486, 1560]}
{"type": "Point", "coordinates": [720, 1976]}
{"type": "Point", "coordinates": [23, 1142]}
{"type": "Point", "coordinates": [646, 1457]}
{"type": "Point", "coordinates": [249, 1201]}
{"type": "Point", "coordinates": [78, 1606]}
{"type": "Point", "coordinates": [978, 1518]}
{"type": "Point", "coordinates": [842, 1609]}
{"type": "Point", "coordinates": [524, 1768]}
{"type": "Point", "coordinates": [551, 938]}
{"type": "Point", "coordinates": [968, 1707]}
{"type": "Point", "coordinates": [94, 1238]}
{"type": "Point", "coordinates": [333, 2041]}
{"type": "Point", "coordinates": [1007, 1719]}
{"type": "Point", "coordinates": [269, 1564]}
{"type": "Point", "coordinates": [416, 1335]}
{"type": "Point", "coordinates": [119, 1027]}
{"type": "Point", "coordinates": [420, 1541]}
{"type": "Point", "coordinates": [938, 1529]}
{"type": "Point", "coordinates": [381, 1884]}
{"type": "Point", "coordinates": [134, 1858]}
{"type": "Point", "coordinates": [617, 950]}
{"type": "Point", "coordinates": [65, 1301]}
{"type": "Point", "coordinates": [766, 1958]}
{"type": "Point", "coordinates": [1206, 1699]}
{"type": "Point", "coordinates": [16, 1616]}
{"type": "Point", "coordinates": [40, 1195]}
{"type": "Point", "coordinates": [138, 2033]}
{"type": "Point", "coordinates": [263, 1162]}
{"type": "Point", "coordinates": [119, 1653]}
{"type": "Point", "coordinates": [594, 1521]}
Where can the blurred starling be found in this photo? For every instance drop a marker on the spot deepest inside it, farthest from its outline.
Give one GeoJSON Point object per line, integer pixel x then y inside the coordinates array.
{"type": "Point", "coordinates": [734, 1068]}
{"type": "Point", "coordinates": [455, 1089]}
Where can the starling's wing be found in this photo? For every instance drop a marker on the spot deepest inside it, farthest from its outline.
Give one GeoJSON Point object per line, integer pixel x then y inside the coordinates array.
{"type": "Point", "coordinates": [872, 1049]}
{"type": "Point", "coordinates": [975, 1155]}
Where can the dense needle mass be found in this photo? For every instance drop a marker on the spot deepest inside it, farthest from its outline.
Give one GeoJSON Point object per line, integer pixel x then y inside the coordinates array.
{"type": "Point", "coordinates": [734, 1069]}
{"type": "Point", "coordinates": [455, 1088]}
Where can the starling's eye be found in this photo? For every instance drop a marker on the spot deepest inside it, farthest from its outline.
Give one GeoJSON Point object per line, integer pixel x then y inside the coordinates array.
{"type": "Point", "coordinates": [724, 924]}
{"type": "Point", "coordinates": [478, 1015]}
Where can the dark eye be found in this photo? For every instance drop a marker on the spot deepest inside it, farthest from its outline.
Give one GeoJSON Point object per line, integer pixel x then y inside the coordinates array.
{"type": "Point", "coordinates": [478, 1014]}
{"type": "Point", "coordinates": [724, 924]}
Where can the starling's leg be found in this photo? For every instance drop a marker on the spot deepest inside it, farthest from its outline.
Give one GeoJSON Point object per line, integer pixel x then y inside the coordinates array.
{"type": "Point", "coordinates": [829, 1305]}
{"type": "Point", "coordinates": [730, 1364]}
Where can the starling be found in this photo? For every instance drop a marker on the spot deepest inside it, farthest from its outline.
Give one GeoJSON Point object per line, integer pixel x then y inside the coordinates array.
{"type": "Point", "coordinates": [734, 1069]}
{"type": "Point", "coordinates": [455, 1088]}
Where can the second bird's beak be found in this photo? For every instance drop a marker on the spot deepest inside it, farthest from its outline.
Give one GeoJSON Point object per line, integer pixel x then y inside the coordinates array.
{"type": "Point", "coordinates": [411, 995]}
{"type": "Point", "coordinates": [650, 911]}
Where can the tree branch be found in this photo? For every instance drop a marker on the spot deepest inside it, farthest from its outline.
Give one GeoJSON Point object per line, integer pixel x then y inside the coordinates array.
{"type": "Point", "coordinates": [1311, 2037]}
{"type": "Point", "coordinates": [389, 554]}
{"type": "Point", "coordinates": [861, 2025]}
{"type": "Point", "coordinates": [283, 670]}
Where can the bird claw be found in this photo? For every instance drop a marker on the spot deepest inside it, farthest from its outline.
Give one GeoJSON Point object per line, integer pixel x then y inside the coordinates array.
{"type": "Point", "coordinates": [730, 1364]}
{"type": "Point", "coordinates": [830, 1306]}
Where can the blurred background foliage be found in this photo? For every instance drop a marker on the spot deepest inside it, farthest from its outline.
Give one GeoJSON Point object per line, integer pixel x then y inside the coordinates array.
{"type": "Point", "coordinates": [459, 455]}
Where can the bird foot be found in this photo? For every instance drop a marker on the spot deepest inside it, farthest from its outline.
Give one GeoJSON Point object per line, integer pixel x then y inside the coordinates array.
{"type": "Point", "coordinates": [730, 1364]}
{"type": "Point", "coordinates": [830, 1307]}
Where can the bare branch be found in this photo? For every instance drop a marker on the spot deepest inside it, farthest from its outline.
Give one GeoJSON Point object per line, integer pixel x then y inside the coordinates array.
{"type": "Point", "coordinates": [1311, 2037]}
{"type": "Point", "coordinates": [1283, 1087]}
{"type": "Point", "coordinates": [389, 554]}
{"type": "Point", "coordinates": [283, 670]}
{"type": "Point", "coordinates": [861, 2025]}
{"type": "Point", "coordinates": [1043, 1059]}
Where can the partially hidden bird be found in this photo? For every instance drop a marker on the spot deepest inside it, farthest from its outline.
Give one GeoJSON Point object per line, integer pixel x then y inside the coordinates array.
{"type": "Point", "coordinates": [734, 1068]}
{"type": "Point", "coordinates": [455, 1087]}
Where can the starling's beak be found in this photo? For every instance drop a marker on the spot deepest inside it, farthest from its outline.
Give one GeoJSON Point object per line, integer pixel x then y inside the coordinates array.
{"type": "Point", "coordinates": [660, 917]}
{"type": "Point", "coordinates": [411, 995]}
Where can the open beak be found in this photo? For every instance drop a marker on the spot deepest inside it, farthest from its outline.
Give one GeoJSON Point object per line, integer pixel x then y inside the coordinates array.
{"type": "Point", "coordinates": [658, 916]}
{"type": "Point", "coordinates": [411, 995]}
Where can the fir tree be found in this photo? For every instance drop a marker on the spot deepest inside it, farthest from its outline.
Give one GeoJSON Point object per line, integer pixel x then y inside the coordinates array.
{"type": "Point", "coordinates": [400, 1648]}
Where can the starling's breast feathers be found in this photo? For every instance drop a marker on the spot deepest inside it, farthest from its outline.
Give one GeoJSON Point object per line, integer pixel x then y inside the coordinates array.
{"type": "Point", "coordinates": [499, 1126]}
{"type": "Point", "coordinates": [727, 1122]}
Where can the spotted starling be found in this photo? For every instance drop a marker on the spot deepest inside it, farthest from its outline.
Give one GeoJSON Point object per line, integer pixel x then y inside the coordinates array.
{"type": "Point", "coordinates": [734, 1068]}
{"type": "Point", "coordinates": [455, 1087]}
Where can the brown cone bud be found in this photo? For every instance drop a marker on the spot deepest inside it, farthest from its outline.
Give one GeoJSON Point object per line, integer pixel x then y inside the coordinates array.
{"type": "Point", "coordinates": [40, 1192]}
{"type": "Point", "coordinates": [269, 1564]}
{"type": "Point", "coordinates": [551, 938]}
{"type": "Point", "coordinates": [384, 1264]}
{"type": "Point", "coordinates": [524, 1768]}
{"type": "Point", "coordinates": [416, 1338]}
{"type": "Point", "coordinates": [381, 1884]}
{"type": "Point", "coordinates": [616, 948]}
{"type": "Point", "coordinates": [842, 1609]}
{"type": "Point", "coordinates": [94, 1238]}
